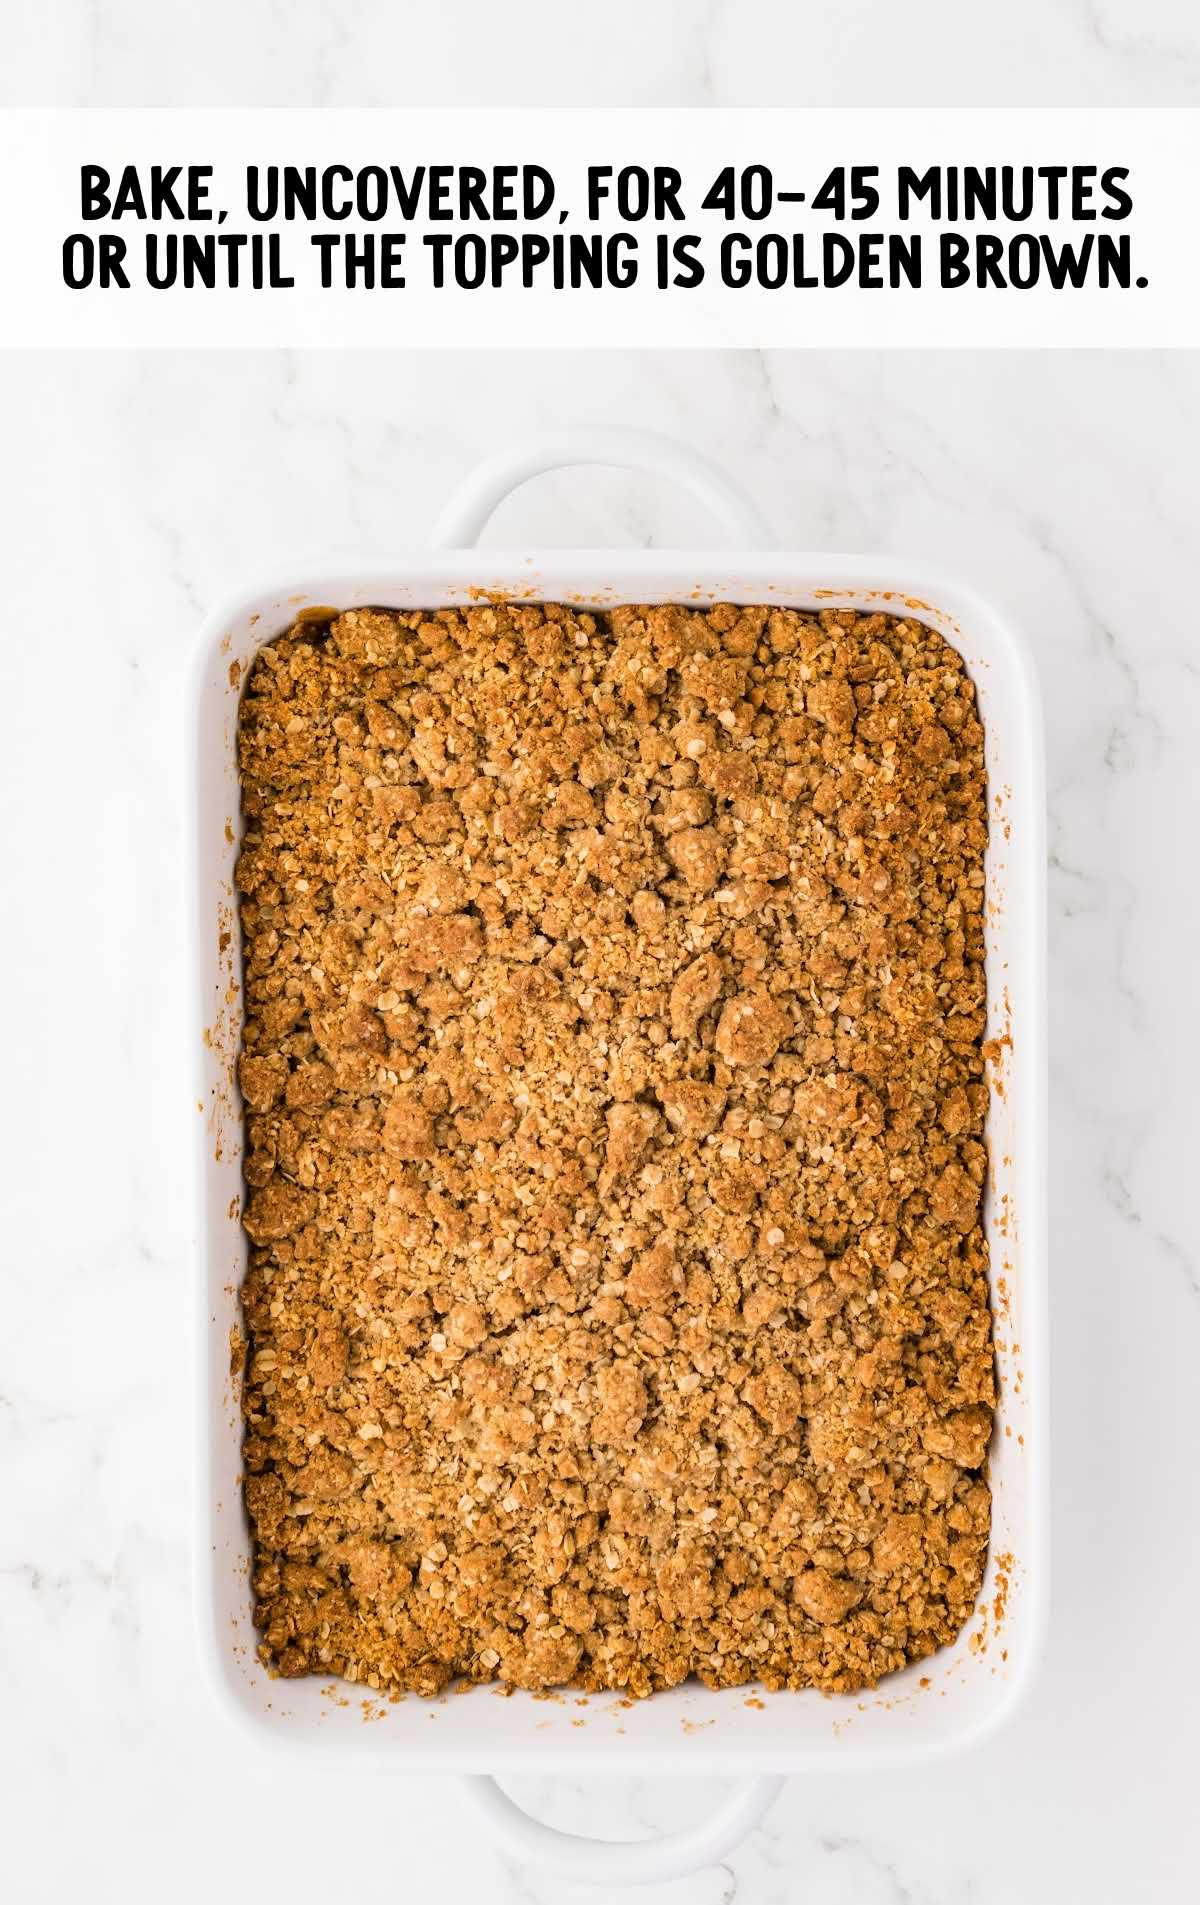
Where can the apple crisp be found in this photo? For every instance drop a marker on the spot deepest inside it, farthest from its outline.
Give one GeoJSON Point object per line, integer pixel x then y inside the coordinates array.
{"type": "Point", "coordinates": [617, 1302]}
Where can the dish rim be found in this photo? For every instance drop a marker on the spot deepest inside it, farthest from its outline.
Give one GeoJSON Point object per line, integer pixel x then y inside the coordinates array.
{"type": "Point", "coordinates": [891, 585]}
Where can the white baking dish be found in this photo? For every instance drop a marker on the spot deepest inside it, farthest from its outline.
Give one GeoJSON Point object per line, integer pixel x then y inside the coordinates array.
{"type": "Point", "coordinates": [939, 1705]}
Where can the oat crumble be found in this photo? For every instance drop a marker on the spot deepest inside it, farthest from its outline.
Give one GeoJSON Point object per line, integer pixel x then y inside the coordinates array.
{"type": "Point", "coordinates": [617, 1305]}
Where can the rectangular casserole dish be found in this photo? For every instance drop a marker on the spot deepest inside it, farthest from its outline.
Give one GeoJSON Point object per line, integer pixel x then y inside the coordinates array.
{"type": "Point", "coordinates": [941, 1703]}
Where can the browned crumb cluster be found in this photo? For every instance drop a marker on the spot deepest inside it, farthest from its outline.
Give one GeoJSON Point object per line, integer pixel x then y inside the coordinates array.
{"type": "Point", "coordinates": [617, 1306]}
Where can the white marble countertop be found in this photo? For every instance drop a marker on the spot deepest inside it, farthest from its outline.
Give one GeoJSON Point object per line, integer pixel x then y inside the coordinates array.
{"type": "Point", "coordinates": [625, 53]}
{"type": "Point", "coordinates": [134, 491]}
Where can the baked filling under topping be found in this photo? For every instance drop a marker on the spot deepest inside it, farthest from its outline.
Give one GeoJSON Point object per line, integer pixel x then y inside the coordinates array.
{"type": "Point", "coordinates": [617, 1306]}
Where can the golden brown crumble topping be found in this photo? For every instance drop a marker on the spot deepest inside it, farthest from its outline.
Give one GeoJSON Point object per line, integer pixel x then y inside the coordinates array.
{"type": "Point", "coordinates": [617, 1303]}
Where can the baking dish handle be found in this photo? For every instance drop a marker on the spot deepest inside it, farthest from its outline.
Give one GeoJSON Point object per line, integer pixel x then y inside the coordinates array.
{"type": "Point", "coordinates": [614, 1861]}
{"type": "Point", "coordinates": [464, 516]}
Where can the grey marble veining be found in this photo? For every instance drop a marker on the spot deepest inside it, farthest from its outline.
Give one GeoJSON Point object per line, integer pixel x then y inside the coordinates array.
{"type": "Point", "coordinates": [626, 53]}
{"type": "Point", "coordinates": [137, 490]}
{"type": "Point", "coordinates": [133, 491]}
